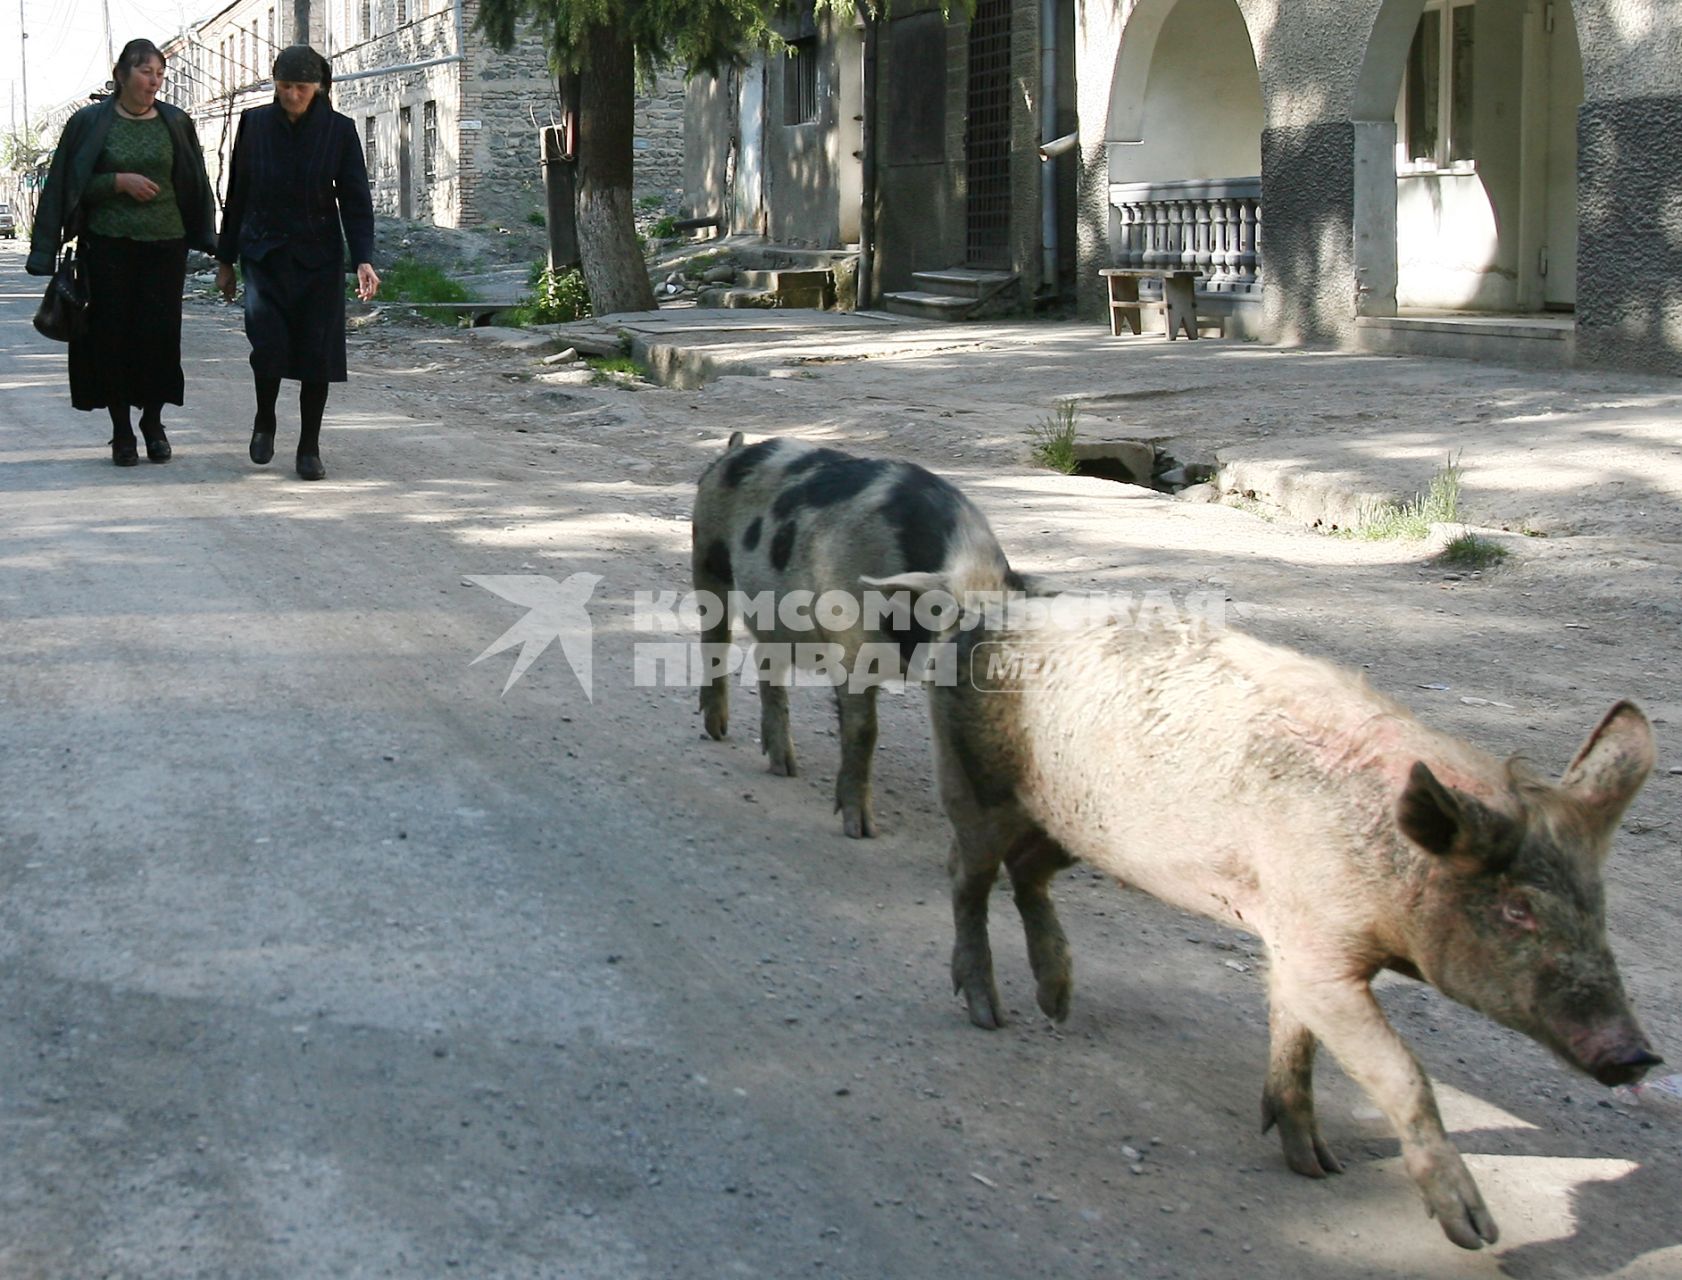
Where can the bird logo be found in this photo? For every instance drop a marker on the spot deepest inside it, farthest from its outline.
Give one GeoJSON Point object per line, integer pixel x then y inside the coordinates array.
{"type": "Point", "coordinates": [554, 611]}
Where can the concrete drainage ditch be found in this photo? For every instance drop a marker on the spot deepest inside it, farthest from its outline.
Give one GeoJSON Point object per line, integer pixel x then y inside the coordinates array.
{"type": "Point", "coordinates": [1141, 462]}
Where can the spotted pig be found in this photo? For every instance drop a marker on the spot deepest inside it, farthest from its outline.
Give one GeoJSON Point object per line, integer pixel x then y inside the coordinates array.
{"type": "Point", "coordinates": [782, 516]}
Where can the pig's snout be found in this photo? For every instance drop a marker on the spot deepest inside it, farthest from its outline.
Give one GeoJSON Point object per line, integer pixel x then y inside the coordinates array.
{"type": "Point", "coordinates": [1625, 1066]}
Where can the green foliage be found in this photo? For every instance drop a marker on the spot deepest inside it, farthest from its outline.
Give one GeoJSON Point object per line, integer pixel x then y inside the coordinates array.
{"type": "Point", "coordinates": [537, 218]}
{"type": "Point", "coordinates": [695, 34]}
{"type": "Point", "coordinates": [411, 280]}
{"type": "Point", "coordinates": [1052, 439]}
{"type": "Point", "coordinates": [1470, 551]}
{"type": "Point", "coordinates": [556, 297]}
{"type": "Point", "coordinates": [664, 228]}
{"type": "Point", "coordinates": [649, 203]}
{"type": "Point", "coordinates": [1412, 520]}
{"type": "Point", "coordinates": [614, 364]}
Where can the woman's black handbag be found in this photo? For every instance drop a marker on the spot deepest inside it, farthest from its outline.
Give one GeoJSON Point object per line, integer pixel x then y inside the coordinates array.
{"type": "Point", "coordinates": [63, 313]}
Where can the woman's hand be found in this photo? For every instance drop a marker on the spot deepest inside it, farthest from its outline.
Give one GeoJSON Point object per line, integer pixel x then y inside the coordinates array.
{"type": "Point", "coordinates": [136, 186]}
{"type": "Point", "coordinates": [367, 281]}
{"type": "Point", "coordinates": [225, 280]}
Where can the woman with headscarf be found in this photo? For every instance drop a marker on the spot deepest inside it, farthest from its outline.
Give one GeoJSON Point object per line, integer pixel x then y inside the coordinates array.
{"type": "Point", "coordinates": [127, 182]}
{"type": "Point", "coordinates": [296, 176]}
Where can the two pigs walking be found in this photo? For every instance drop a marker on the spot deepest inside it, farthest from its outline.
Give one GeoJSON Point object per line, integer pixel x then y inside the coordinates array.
{"type": "Point", "coordinates": [1286, 797]}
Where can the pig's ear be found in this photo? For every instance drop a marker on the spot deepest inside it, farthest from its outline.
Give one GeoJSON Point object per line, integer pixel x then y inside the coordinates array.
{"type": "Point", "coordinates": [1456, 827]}
{"type": "Point", "coordinates": [918, 584]}
{"type": "Point", "coordinates": [1612, 764]}
{"type": "Point", "coordinates": [735, 441]}
{"type": "Point", "coordinates": [1035, 584]}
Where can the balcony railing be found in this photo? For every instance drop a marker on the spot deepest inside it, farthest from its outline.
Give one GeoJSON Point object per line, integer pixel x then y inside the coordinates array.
{"type": "Point", "coordinates": [1210, 225]}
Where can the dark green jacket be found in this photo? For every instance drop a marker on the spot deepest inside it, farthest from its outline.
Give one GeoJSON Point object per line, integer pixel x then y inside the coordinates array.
{"type": "Point", "coordinates": [58, 214]}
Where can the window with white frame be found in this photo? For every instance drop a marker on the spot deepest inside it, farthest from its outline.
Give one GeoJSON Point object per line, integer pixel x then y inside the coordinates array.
{"type": "Point", "coordinates": [367, 19]}
{"type": "Point", "coordinates": [370, 147]}
{"type": "Point", "coordinates": [1436, 117]}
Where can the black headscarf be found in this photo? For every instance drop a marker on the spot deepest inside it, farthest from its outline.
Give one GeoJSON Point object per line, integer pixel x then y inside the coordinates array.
{"type": "Point", "coordinates": [303, 65]}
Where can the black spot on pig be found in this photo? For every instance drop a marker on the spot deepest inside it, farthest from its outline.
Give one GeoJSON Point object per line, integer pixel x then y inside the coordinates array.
{"type": "Point", "coordinates": [924, 511]}
{"type": "Point", "coordinates": [716, 562]}
{"type": "Point", "coordinates": [782, 546]}
{"type": "Point", "coordinates": [737, 466]}
{"type": "Point", "coordinates": [750, 538]}
{"type": "Point", "coordinates": [816, 458]}
{"type": "Point", "coordinates": [835, 479]}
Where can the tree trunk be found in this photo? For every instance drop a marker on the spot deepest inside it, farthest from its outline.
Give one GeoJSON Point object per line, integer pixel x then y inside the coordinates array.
{"type": "Point", "coordinates": [613, 265]}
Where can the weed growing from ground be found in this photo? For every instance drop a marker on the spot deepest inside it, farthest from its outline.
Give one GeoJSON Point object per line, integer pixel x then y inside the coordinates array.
{"type": "Point", "coordinates": [1470, 551]}
{"type": "Point", "coordinates": [1412, 520]}
{"type": "Point", "coordinates": [556, 298]}
{"type": "Point", "coordinates": [606, 367]}
{"type": "Point", "coordinates": [411, 280]}
{"type": "Point", "coordinates": [1052, 439]}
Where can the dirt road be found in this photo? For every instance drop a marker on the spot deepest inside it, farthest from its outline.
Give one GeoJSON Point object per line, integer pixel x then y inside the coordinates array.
{"type": "Point", "coordinates": [322, 955]}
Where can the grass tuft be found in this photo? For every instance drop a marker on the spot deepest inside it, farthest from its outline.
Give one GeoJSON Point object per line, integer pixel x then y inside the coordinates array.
{"type": "Point", "coordinates": [411, 280]}
{"type": "Point", "coordinates": [1470, 551]}
{"type": "Point", "coordinates": [556, 298]}
{"type": "Point", "coordinates": [1412, 520]}
{"type": "Point", "coordinates": [1052, 439]}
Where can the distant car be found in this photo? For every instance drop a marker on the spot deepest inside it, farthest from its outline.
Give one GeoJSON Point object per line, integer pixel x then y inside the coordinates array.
{"type": "Point", "coordinates": [8, 224]}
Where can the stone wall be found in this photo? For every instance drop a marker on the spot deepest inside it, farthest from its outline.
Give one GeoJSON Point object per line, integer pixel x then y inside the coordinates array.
{"type": "Point", "coordinates": [450, 122]}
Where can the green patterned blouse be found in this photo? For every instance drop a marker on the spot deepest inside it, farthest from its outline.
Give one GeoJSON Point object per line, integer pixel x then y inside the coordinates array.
{"type": "Point", "coordinates": [135, 146]}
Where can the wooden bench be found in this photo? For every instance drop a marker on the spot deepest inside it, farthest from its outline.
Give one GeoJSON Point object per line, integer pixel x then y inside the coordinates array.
{"type": "Point", "coordinates": [1179, 298]}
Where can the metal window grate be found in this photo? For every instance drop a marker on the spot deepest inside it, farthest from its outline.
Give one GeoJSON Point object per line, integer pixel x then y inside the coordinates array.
{"type": "Point", "coordinates": [429, 140]}
{"type": "Point", "coordinates": [987, 141]}
{"type": "Point", "coordinates": [370, 145]}
{"type": "Point", "coordinates": [800, 82]}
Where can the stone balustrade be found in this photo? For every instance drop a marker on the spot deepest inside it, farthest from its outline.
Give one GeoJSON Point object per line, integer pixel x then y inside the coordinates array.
{"type": "Point", "coordinates": [1209, 225]}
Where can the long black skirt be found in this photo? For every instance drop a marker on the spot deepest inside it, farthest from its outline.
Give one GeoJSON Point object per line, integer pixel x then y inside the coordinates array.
{"type": "Point", "coordinates": [131, 354]}
{"type": "Point", "coordinates": [295, 318]}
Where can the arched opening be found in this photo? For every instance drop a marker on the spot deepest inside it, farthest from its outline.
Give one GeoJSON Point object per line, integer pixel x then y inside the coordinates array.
{"type": "Point", "coordinates": [1466, 147]}
{"type": "Point", "coordinates": [1186, 100]}
{"type": "Point", "coordinates": [1184, 143]}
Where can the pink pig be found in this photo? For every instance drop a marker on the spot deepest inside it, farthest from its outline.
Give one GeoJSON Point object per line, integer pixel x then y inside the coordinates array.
{"type": "Point", "coordinates": [1283, 795]}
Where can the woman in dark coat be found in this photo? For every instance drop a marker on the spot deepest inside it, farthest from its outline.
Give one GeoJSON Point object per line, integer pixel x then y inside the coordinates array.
{"type": "Point", "coordinates": [296, 175]}
{"type": "Point", "coordinates": [128, 183]}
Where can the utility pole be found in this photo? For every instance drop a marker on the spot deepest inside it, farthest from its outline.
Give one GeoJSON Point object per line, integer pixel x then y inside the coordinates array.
{"type": "Point", "coordinates": [23, 65]}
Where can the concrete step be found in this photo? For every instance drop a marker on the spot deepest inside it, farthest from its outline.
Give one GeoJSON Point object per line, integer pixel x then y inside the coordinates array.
{"type": "Point", "coordinates": [965, 281]}
{"type": "Point", "coordinates": [1542, 341]}
{"type": "Point", "coordinates": [784, 278]}
{"type": "Point", "coordinates": [928, 306]}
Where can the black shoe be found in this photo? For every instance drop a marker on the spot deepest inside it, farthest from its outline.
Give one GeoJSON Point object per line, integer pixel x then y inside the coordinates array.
{"type": "Point", "coordinates": [125, 453]}
{"type": "Point", "coordinates": [262, 447]}
{"type": "Point", "coordinates": [157, 447]}
{"type": "Point", "coordinates": [310, 468]}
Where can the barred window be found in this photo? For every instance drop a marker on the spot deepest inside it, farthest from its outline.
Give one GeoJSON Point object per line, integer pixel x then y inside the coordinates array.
{"type": "Point", "coordinates": [367, 19]}
{"type": "Point", "coordinates": [429, 140]}
{"type": "Point", "coordinates": [370, 145]}
{"type": "Point", "coordinates": [800, 82]}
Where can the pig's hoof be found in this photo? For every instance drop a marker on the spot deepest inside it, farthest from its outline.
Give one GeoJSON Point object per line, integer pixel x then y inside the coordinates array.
{"type": "Point", "coordinates": [858, 824]}
{"type": "Point", "coordinates": [984, 1010]}
{"type": "Point", "coordinates": [1306, 1151]}
{"type": "Point", "coordinates": [715, 714]}
{"type": "Point", "coordinates": [1053, 997]}
{"type": "Point", "coordinates": [979, 993]}
{"type": "Point", "coordinates": [1452, 1198]}
{"type": "Point", "coordinates": [782, 762]}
